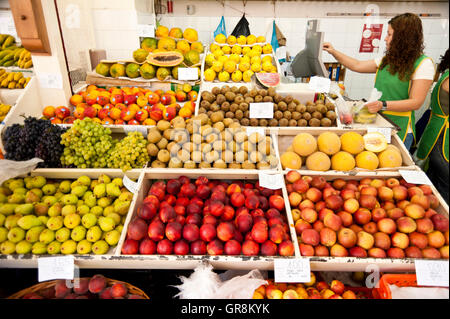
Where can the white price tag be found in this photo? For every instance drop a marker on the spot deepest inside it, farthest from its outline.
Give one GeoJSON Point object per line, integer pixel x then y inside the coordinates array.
{"type": "Point", "coordinates": [386, 131]}
{"type": "Point", "coordinates": [50, 81]}
{"type": "Point", "coordinates": [271, 181]}
{"type": "Point", "coordinates": [295, 270]}
{"type": "Point", "coordinates": [251, 130]}
{"type": "Point", "coordinates": [130, 185]}
{"type": "Point", "coordinates": [319, 84]}
{"type": "Point", "coordinates": [415, 177]}
{"type": "Point", "coordinates": [261, 110]}
{"type": "Point", "coordinates": [146, 30]}
{"type": "Point", "coordinates": [51, 268]}
{"type": "Point", "coordinates": [135, 128]}
{"type": "Point", "coordinates": [187, 74]}
{"type": "Point", "coordinates": [432, 273]}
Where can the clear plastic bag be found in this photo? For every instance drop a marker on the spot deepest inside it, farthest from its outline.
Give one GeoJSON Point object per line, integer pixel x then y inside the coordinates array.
{"type": "Point", "coordinates": [11, 169]}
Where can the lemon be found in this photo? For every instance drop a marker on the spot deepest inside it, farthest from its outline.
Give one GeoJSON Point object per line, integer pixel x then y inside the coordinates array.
{"type": "Point", "coordinates": [246, 50]}
{"type": "Point", "coordinates": [236, 49]}
{"type": "Point", "coordinates": [257, 48]}
{"type": "Point", "coordinates": [236, 76]}
{"type": "Point", "coordinates": [213, 47]}
{"type": "Point", "coordinates": [226, 49]}
{"type": "Point", "coordinates": [255, 59]}
{"type": "Point", "coordinates": [247, 75]}
{"type": "Point", "coordinates": [261, 39]}
{"type": "Point", "coordinates": [220, 38]}
{"type": "Point", "coordinates": [218, 53]}
{"type": "Point", "coordinates": [224, 76]}
{"type": "Point", "coordinates": [267, 49]}
{"type": "Point", "coordinates": [242, 40]}
{"type": "Point", "coordinates": [235, 58]}
{"type": "Point", "coordinates": [210, 75]}
{"type": "Point", "coordinates": [253, 53]}
{"type": "Point", "coordinates": [255, 67]}
{"type": "Point", "coordinates": [209, 60]}
{"type": "Point", "coordinates": [231, 40]}
{"type": "Point", "coordinates": [229, 66]}
{"type": "Point", "coordinates": [223, 59]}
{"type": "Point", "coordinates": [244, 66]}
{"type": "Point", "coordinates": [266, 58]}
{"type": "Point", "coordinates": [251, 39]}
{"type": "Point", "coordinates": [217, 66]}
{"type": "Point", "coordinates": [267, 66]}
{"type": "Point", "coordinates": [245, 59]}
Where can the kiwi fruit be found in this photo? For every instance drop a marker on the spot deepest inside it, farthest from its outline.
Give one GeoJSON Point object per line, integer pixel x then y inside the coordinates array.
{"type": "Point", "coordinates": [263, 122]}
{"type": "Point", "coordinates": [292, 122]}
{"type": "Point", "coordinates": [311, 108]}
{"type": "Point", "coordinates": [201, 110]}
{"type": "Point", "coordinates": [297, 102]}
{"type": "Point", "coordinates": [189, 165]}
{"type": "Point", "coordinates": [317, 115]}
{"type": "Point", "coordinates": [283, 122]}
{"type": "Point", "coordinates": [215, 90]}
{"type": "Point", "coordinates": [162, 144]}
{"type": "Point", "coordinates": [245, 122]}
{"type": "Point", "coordinates": [302, 122]}
{"type": "Point", "coordinates": [239, 114]}
{"type": "Point", "coordinates": [154, 136]}
{"type": "Point", "coordinates": [254, 122]}
{"type": "Point", "coordinates": [330, 106]}
{"type": "Point", "coordinates": [322, 108]}
{"type": "Point", "coordinates": [152, 149]}
{"type": "Point", "coordinates": [243, 90]}
{"type": "Point", "coordinates": [214, 107]}
{"type": "Point", "coordinates": [296, 115]}
{"type": "Point", "coordinates": [247, 114]}
{"type": "Point", "coordinates": [230, 96]}
{"type": "Point", "coordinates": [309, 103]}
{"type": "Point", "coordinates": [307, 116]}
{"type": "Point", "coordinates": [217, 117]}
{"type": "Point", "coordinates": [287, 115]}
{"type": "Point", "coordinates": [288, 99]}
{"type": "Point", "coordinates": [234, 107]}
{"type": "Point", "coordinates": [175, 163]}
{"type": "Point", "coordinates": [268, 98]}
{"type": "Point", "coordinates": [278, 115]}
{"type": "Point", "coordinates": [249, 100]}
{"type": "Point", "coordinates": [262, 92]}
{"type": "Point", "coordinates": [225, 106]}
{"type": "Point", "coordinates": [224, 89]}
{"type": "Point", "coordinates": [273, 122]}
{"type": "Point", "coordinates": [314, 122]}
{"type": "Point", "coordinates": [258, 98]}
{"type": "Point", "coordinates": [229, 115]}
{"type": "Point", "coordinates": [292, 107]}
{"type": "Point", "coordinates": [238, 99]}
{"type": "Point", "coordinates": [282, 106]}
{"type": "Point", "coordinates": [203, 118]}
{"type": "Point", "coordinates": [253, 92]}
{"type": "Point", "coordinates": [331, 115]}
{"type": "Point", "coordinates": [234, 89]}
{"type": "Point", "coordinates": [271, 92]}
{"type": "Point", "coordinates": [325, 122]}
{"type": "Point", "coordinates": [275, 107]}
{"type": "Point", "coordinates": [163, 156]}
{"type": "Point", "coordinates": [244, 106]}
{"type": "Point", "coordinates": [320, 101]}
{"type": "Point", "coordinates": [235, 124]}
{"type": "Point", "coordinates": [158, 164]}
{"type": "Point", "coordinates": [227, 121]}
{"type": "Point", "coordinates": [277, 98]}
{"type": "Point", "coordinates": [248, 165]}
{"type": "Point", "coordinates": [301, 108]}
{"type": "Point", "coordinates": [220, 99]}
{"type": "Point", "coordinates": [234, 166]}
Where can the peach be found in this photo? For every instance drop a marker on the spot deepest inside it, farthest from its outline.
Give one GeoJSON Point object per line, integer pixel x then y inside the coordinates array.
{"type": "Point", "coordinates": [415, 211]}
{"type": "Point", "coordinates": [421, 200]}
{"type": "Point", "coordinates": [327, 237]}
{"type": "Point", "coordinates": [277, 233]}
{"type": "Point", "coordinates": [444, 251]}
{"type": "Point", "coordinates": [334, 202]}
{"type": "Point", "coordinates": [433, 200]}
{"type": "Point", "coordinates": [414, 190]}
{"type": "Point", "coordinates": [290, 294]}
{"type": "Point", "coordinates": [395, 213]}
{"type": "Point", "coordinates": [377, 183]}
{"type": "Point", "coordinates": [339, 183]}
{"type": "Point", "coordinates": [286, 248]}
{"type": "Point", "coordinates": [273, 293]}
{"type": "Point", "coordinates": [326, 293]}
{"type": "Point", "coordinates": [320, 205]}
{"type": "Point", "coordinates": [418, 240]}
{"type": "Point", "coordinates": [337, 286]}
{"type": "Point", "coordinates": [318, 225]}
{"type": "Point", "coordinates": [348, 193]}
{"type": "Point", "coordinates": [382, 240]}
{"type": "Point", "coordinates": [321, 251]}
{"type": "Point", "coordinates": [378, 214]}
{"type": "Point", "coordinates": [348, 294]}
{"type": "Point", "coordinates": [300, 186]}
{"type": "Point", "coordinates": [367, 201]}
{"type": "Point", "coordinates": [318, 182]}
{"type": "Point", "coordinates": [440, 222]}
{"type": "Point", "coordinates": [306, 203]}
{"type": "Point", "coordinates": [293, 176]}
{"type": "Point", "coordinates": [376, 252]}
{"type": "Point", "coordinates": [295, 199]}
{"type": "Point", "coordinates": [388, 205]}
{"type": "Point", "coordinates": [431, 253]}
{"type": "Point", "coordinates": [314, 194]}
{"type": "Point", "coordinates": [338, 251]}
{"type": "Point", "coordinates": [347, 218]}
{"type": "Point", "coordinates": [301, 225]}
{"type": "Point", "coordinates": [406, 225]}
{"type": "Point", "coordinates": [413, 252]}
{"type": "Point", "coordinates": [446, 237]}
{"type": "Point", "coordinates": [309, 215]}
{"type": "Point", "coordinates": [356, 228]}
{"type": "Point", "coordinates": [392, 182]}
{"type": "Point", "coordinates": [365, 240]}
{"type": "Point", "coordinates": [351, 205]}
{"type": "Point", "coordinates": [436, 239]}
{"type": "Point", "coordinates": [332, 221]}
{"type": "Point", "coordinates": [347, 237]}
{"type": "Point", "coordinates": [365, 181]}
{"type": "Point", "coordinates": [395, 252]}
{"type": "Point", "coordinates": [385, 193]}
{"type": "Point", "coordinates": [310, 237]}
{"type": "Point", "coordinates": [302, 293]}
{"type": "Point", "coordinates": [357, 252]}
{"type": "Point", "coordinates": [400, 240]}
{"type": "Point", "coordinates": [426, 189]}
{"type": "Point", "coordinates": [424, 225]}
{"type": "Point", "coordinates": [362, 216]}
{"type": "Point", "coordinates": [370, 227]}
{"type": "Point", "coordinates": [321, 285]}
{"type": "Point", "coordinates": [400, 192]}
{"type": "Point", "coordinates": [306, 250]}
{"type": "Point", "coordinates": [328, 191]}
{"type": "Point", "coordinates": [295, 214]}
{"type": "Point", "coordinates": [250, 248]}
{"type": "Point", "coordinates": [403, 203]}
{"type": "Point", "coordinates": [323, 212]}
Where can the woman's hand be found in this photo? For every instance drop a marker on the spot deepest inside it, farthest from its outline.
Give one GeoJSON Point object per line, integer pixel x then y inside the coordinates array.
{"type": "Point", "coordinates": [374, 106]}
{"type": "Point", "coordinates": [328, 47]}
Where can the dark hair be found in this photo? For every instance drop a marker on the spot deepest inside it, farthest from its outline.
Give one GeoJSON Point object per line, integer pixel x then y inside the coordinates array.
{"type": "Point", "coordinates": [444, 64]}
{"type": "Point", "coordinates": [406, 45]}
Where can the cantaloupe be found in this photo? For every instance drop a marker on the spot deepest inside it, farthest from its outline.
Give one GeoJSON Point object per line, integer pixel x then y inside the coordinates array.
{"type": "Point", "coordinates": [291, 160]}
{"type": "Point", "coordinates": [390, 158]}
{"type": "Point", "coordinates": [342, 161]}
{"type": "Point", "coordinates": [375, 142]}
{"type": "Point", "coordinates": [329, 143]}
{"type": "Point", "coordinates": [304, 144]}
{"type": "Point", "coordinates": [352, 143]}
{"type": "Point", "coordinates": [367, 160]}
{"type": "Point", "coordinates": [318, 161]}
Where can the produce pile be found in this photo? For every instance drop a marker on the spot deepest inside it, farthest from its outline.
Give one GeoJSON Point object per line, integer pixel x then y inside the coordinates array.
{"type": "Point", "coordinates": [376, 218]}
{"type": "Point", "coordinates": [13, 80]}
{"type": "Point", "coordinates": [4, 110]}
{"type": "Point", "coordinates": [82, 216]}
{"type": "Point", "coordinates": [13, 55]}
{"type": "Point", "coordinates": [183, 216]}
{"type": "Point", "coordinates": [235, 101]}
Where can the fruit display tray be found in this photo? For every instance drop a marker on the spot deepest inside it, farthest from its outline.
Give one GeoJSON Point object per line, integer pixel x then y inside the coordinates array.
{"type": "Point", "coordinates": [285, 138]}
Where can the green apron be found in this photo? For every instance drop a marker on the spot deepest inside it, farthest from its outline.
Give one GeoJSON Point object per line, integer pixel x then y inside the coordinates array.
{"type": "Point", "coordinates": [394, 89]}
{"type": "Point", "coordinates": [438, 122]}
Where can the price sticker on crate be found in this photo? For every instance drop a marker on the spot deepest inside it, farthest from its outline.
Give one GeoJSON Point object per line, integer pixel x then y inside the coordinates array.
{"type": "Point", "coordinates": [319, 84]}
{"type": "Point", "coordinates": [385, 131]}
{"type": "Point", "coordinates": [271, 181]}
{"type": "Point", "coordinates": [51, 268]}
{"type": "Point", "coordinates": [296, 270]}
{"type": "Point", "coordinates": [432, 273]}
{"type": "Point", "coordinates": [130, 185]}
{"type": "Point", "coordinates": [415, 177]}
{"type": "Point", "coordinates": [262, 110]}
{"type": "Point", "coordinates": [135, 128]}
{"type": "Point", "coordinates": [259, 130]}
{"type": "Point", "coordinates": [187, 74]}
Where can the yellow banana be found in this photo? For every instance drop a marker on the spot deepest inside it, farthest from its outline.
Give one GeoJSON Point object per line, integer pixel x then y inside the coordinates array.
{"type": "Point", "coordinates": [4, 83]}
{"type": "Point", "coordinates": [18, 76]}
{"type": "Point", "coordinates": [12, 85]}
{"type": "Point", "coordinates": [28, 64]}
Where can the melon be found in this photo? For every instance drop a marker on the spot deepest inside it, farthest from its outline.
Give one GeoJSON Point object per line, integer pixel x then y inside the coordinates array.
{"type": "Point", "coordinates": [390, 158]}
{"type": "Point", "coordinates": [367, 160]}
{"type": "Point", "coordinates": [268, 80]}
{"type": "Point", "coordinates": [329, 143]}
{"type": "Point", "coordinates": [304, 144]}
{"type": "Point", "coordinates": [342, 161]}
{"type": "Point", "coordinates": [375, 142]}
{"type": "Point", "coordinates": [165, 59]}
{"type": "Point", "coordinates": [291, 160]}
{"type": "Point", "coordinates": [318, 161]}
{"type": "Point", "coordinates": [352, 142]}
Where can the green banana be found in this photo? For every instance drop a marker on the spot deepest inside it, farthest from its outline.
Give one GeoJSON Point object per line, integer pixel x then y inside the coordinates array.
{"type": "Point", "coordinates": [17, 53]}
{"type": "Point", "coordinates": [9, 41]}
{"type": "Point", "coordinates": [4, 53]}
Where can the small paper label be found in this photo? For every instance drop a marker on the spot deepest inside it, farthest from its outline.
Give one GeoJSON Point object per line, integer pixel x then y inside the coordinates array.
{"type": "Point", "coordinates": [130, 185]}
{"type": "Point", "coordinates": [319, 84]}
{"type": "Point", "coordinates": [51, 268]}
{"type": "Point", "coordinates": [296, 270]}
{"type": "Point", "coordinates": [261, 110]}
{"type": "Point", "coordinates": [50, 81]}
{"type": "Point", "coordinates": [432, 273]}
{"type": "Point", "coordinates": [146, 30]}
{"type": "Point", "coordinates": [386, 131]}
{"type": "Point", "coordinates": [415, 177]}
{"type": "Point", "coordinates": [187, 74]}
{"type": "Point", "coordinates": [271, 181]}
{"type": "Point", "coordinates": [135, 128]}
{"type": "Point", "coordinates": [251, 130]}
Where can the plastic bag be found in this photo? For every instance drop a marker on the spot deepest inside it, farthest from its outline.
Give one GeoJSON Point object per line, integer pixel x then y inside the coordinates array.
{"type": "Point", "coordinates": [221, 28]}
{"type": "Point", "coordinates": [204, 283]}
{"type": "Point", "coordinates": [11, 169]}
{"type": "Point", "coordinates": [360, 111]}
{"type": "Point", "coordinates": [241, 28]}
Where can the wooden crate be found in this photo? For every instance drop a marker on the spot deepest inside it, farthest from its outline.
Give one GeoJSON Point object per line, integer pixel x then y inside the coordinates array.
{"type": "Point", "coordinates": [285, 138]}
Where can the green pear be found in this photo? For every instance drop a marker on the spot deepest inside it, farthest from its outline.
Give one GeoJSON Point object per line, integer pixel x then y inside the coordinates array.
{"type": "Point", "coordinates": [7, 208]}
{"type": "Point", "coordinates": [32, 234]}
{"type": "Point", "coordinates": [72, 220]}
{"type": "Point", "coordinates": [16, 199]}
{"type": "Point", "coordinates": [84, 247]}
{"type": "Point", "coordinates": [68, 209]}
{"type": "Point", "coordinates": [69, 199]}
{"type": "Point", "coordinates": [41, 209]}
{"type": "Point", "coordinates": [58, 195]}
{"type": "Point", "coordinates": [126, 196]}
{"type": "Point", "coordinates": [64, 187]}
{"type": "Point", "coordinates": [69, 247]}
{"type": "Point", "coordinates": [28, 221]}
{"type": "Point", "coordinates": [96, 210]}
{"type": "Point", "coordinates": [49, 200]}
{"type": "Point", "coordinates": [83, 210]}
{"type": "Point", "coordinates": [62, 234]}
{"type": "Point", "coordinates": [3, 198]}
{"type": "Point", "coordinates": [20, 191]}
{"type": "Point", "coordinates": [31, 197]}
{"type": "Point", "coordinates": [24, 209]}
{"type": "Point", "coordinates": [122, 207]}
{"type": "Point", "coordinates": [7, 248]}
{"type": "Point", "coordinates": [5, 191]}
{"type": "Point", "coordinates": [116, 217]}
{"type": "Point", "coordinates": [112, 237]}
{"type": "Point", "coordinates": [90, 199]}
{"type": "Point", "coordinates": [55, 210]}
{"type": "Point", "coordinates": [38, 192]}
{"type": "Point", "coordinates": [11, 221]}
{"type": "Point", "coordinates": [100, 247]}
{"type": "Point", "coordinates": [23, 247]}
{"type": "Point", "coordinates": [38, 181]}
{"type": "Point", "coordinates": [79, 190]}
{"type": "Point", "coordinates": [80, 203]}
{"type": "Point", "coordinates": [54, 248]}
{"type": "Point", "coordinates": [108, 210]}
{"type": "Point", "coordinates": [106, 223]}
{"type": "Point", "coordinates": [118, 181]}
{"type": "Point", "coordinates": [89, 220]}
{"type": "Point", "coordinates": [93, 184]}
{"type": "Point", "coordinates": [84, 180]}
{"type": "Point", "coordinates": [104, 179]}
{"type": "Point", "coordinates": [75, 184]}
{"type": "Point", "coordinates": [44, 219]}
{"type": "Point", "coordinates": [113, 190]}
{"type": "Point", "coordinates": [49, 189]}
{"type": "Point", "coordinates": [93, 234]}
{"type": "Point", "coordinates": [3, 234]}
{"type": "Point", "coordinates": [47, 236]}
{"type": "Point", "coordinates": [78, 233]}
{"type": "Point", "coordinates": [2, 219]}
{"type": "Point", "coordinates": [55, 222]}
{"type": "Point", "coordinates": [16, 183]}
{"type": "Point", "coordinates": [100, 190]}
{"type": "Point", "coordinates": [104, 202]}
{"type": "Point", "coordinates": [16, 234]}
{"type": "Point", "coordinates": [39, 248]}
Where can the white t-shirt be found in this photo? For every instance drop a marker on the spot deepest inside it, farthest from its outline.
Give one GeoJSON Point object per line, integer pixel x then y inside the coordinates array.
{"type": "Point", "coordinates": [425, 70]}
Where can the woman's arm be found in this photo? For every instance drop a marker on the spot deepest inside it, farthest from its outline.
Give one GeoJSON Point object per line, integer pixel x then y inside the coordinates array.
{"type": "Point", "coordinates": [417, 95]}
{"type": "Point", "coordinates": [349, 62]}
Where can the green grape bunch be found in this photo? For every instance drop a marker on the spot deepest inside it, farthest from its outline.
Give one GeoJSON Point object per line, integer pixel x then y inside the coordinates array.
{"type": "Point", "coordinates": [130, 152]}
{"type": "Point", "coordinates": [87, 145]}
